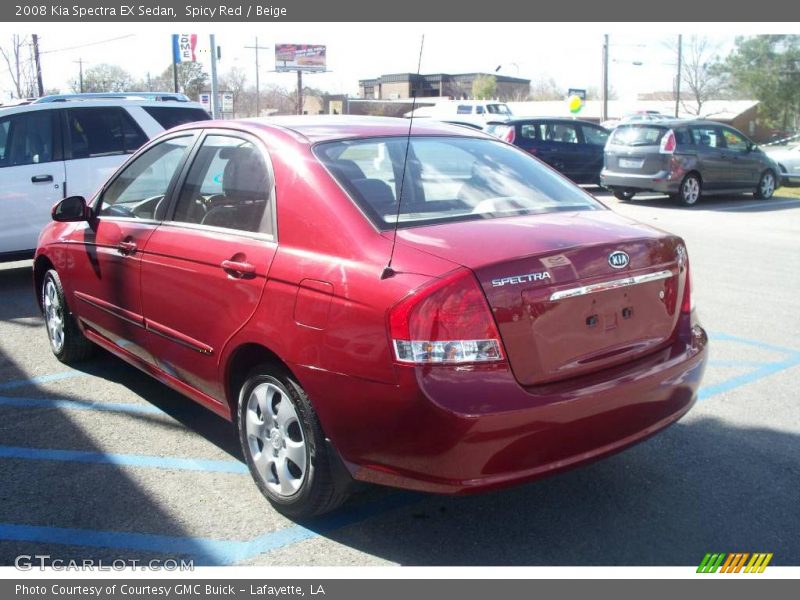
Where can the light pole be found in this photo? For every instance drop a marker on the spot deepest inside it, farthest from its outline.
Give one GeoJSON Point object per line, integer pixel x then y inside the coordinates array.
{"type": "Point", "coordinates": [604, 112]}
{"type": "Point", "coordinates": [678, 80]}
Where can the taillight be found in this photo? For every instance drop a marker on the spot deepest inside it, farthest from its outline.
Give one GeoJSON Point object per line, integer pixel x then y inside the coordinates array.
{"type": "Point", "coordinates": [668, 143]}
{"type": "Point", "coordinates": [686, 304]}
{"type": "Point", "coordinates": [509, 134]}
{"type": "Point", "coordinates": [448, 321]}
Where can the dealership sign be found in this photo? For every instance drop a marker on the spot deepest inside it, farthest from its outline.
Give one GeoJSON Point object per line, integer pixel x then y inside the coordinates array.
{"type": "Point", "coordinates": [184, 47]}
{"type": "Point", "coordinates": [299, 57]}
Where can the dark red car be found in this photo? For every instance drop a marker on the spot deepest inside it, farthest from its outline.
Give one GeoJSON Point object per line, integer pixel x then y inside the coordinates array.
{"type": "Point", "coordinates": [521, 328]}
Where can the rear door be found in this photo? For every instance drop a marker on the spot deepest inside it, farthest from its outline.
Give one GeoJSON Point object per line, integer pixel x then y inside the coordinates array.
{"type": "Point", "coordinates": [561, 147]}
{"type": "Point", "coordinates": [31, 176]}
{"type": "Point", "coordinates": [205, 267]}
{"type": "Point", "coordinates": [98, 139]}
{"type": "Point", "coordinates": [636, 149]}
{"type": "Point", "coordinates": [713, 159]}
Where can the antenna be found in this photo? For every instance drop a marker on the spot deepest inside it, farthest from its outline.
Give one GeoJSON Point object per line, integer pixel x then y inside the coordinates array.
{"type": "Point", "coordinates": [388, 271]}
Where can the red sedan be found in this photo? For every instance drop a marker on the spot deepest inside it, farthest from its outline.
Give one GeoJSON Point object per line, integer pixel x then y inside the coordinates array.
{"type": "Point", "coordinates": [430, 309]}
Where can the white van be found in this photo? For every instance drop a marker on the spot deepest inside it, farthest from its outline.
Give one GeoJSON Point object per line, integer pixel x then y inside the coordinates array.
{"type": "Point", "coordinates": [471, 112]}
{"type": "Point", "coordinates": [54, 149]}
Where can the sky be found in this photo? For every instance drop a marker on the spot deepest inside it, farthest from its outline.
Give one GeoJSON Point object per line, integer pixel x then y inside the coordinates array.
{"type": "Point", "coordinates": [570, 53]}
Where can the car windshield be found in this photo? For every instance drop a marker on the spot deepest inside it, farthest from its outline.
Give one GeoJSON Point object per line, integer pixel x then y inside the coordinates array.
{"type": "Point", "coordinates": [446, 179]}
{"type": "Point", "coordinates": [637, 135]}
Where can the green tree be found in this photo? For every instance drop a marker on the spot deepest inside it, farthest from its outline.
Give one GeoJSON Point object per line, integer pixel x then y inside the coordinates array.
{"type": "Point", "coordinates": [104, 78]}
{"type": "Point", "coordinates": [766, 68]}
{"type": "Point", "coordinates": [484, 87]}
{"type": "Point", "coordinates": [192, 80]}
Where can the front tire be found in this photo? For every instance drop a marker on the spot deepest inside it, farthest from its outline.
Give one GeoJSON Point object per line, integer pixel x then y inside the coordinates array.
{"type": "Point", "coordinates": [67, 342]}
{"type": "Point", "coordinates": [284, 445]}
{"type": "Point", "coordinates": [690, 191]}
{"type": "Point", "coordinates": [766, 186]}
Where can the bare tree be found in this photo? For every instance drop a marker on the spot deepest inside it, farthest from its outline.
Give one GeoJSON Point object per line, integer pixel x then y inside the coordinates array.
{"type": "Point", "coordinates": [544, 88]}
{"type": "Point", "coordinates": [20, 66]}
{"type": "Point", "coordinates": [700, 82]}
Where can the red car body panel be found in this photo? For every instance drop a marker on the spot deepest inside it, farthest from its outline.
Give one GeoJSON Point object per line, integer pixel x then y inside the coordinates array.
{"type": "Point", "coordinates": [316, 300]}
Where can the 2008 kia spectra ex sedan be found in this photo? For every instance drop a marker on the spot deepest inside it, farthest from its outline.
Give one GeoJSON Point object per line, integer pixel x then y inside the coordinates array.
{"type": "Point", "coordinates": [517, 327]}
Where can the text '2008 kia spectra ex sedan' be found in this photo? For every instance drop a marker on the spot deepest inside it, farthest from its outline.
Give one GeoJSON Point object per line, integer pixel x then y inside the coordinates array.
{"type": "Point", "coordinates": [521, 328]}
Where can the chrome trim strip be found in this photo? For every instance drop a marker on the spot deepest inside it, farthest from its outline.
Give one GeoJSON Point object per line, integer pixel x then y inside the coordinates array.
{"type": "Point", "coordinates": [610, 285]}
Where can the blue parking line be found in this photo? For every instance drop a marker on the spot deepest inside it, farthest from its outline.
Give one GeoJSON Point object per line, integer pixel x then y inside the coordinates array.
{"type": "Point", "coordinates": [124, 460]}
{"type": "Point", "coordinates": [59, 403]}
{"type": "Point", "coordinates": [208, 551]}
{"type": "Point", "coordinates": [727, 337]}
{"type": "Point", "coordinates": [18, 383]}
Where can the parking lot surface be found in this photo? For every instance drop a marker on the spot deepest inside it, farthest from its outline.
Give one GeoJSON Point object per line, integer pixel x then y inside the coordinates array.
{"type": "Point", "coordinates": [103, 462]}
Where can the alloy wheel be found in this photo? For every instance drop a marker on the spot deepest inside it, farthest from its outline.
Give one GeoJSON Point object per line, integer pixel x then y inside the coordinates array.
{"type": "Point", "coordinates": [275, 440]}
{"type": "Point", "coordinates": [54, 316]}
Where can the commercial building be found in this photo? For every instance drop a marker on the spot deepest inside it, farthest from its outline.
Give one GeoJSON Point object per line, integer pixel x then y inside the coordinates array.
{"type": "Point", "coordinates": [397, 86]}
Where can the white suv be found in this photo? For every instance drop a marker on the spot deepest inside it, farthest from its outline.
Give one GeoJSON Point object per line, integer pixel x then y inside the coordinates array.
{"type": "Point", "coordinates": [54, 149]}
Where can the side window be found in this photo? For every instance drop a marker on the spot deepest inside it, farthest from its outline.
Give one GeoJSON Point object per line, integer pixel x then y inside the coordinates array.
{"type": "Point", "coordinates": [464, 109]}
{"type": "Point", "coordinates": [560, 132]}
{"type": "Point", "coordinates": [172, 116]}
{"type": "Point", "coordinates": [734, 141]}
{"type": "Point", "coordinates": [479, 110]}
{"type": "Point", "coordinates": [594, 136]}
{"type": "Point", "coordinates": [102, 131]}
{"type": "Point", "coordinates": [707, 137]}
{"type": "Point", "coordinates": [26, 139]}
{"type": "Point", "coordinates": [529, 131]}
{"type": "Point", "coordinates": [138, 192]}
{"type": "Point", "coordinates": [229, 186]}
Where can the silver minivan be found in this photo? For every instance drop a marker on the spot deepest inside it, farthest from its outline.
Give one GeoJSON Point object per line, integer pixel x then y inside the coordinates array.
{"type": "Point", "coordinates": [685, 159]}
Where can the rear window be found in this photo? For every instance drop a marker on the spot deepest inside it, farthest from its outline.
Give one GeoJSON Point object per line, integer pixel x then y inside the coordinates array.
{"type": "Point", "coordinates": [172, 116]}
{"type": "Point", "coordinates": [637, 135]}
{"type": "Point", "coordinates": [446, 179]}
{"type": "Point", "coordinates": [498, 109]}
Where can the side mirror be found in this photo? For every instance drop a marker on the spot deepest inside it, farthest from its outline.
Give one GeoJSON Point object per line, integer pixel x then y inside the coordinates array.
{"type": "Point", "coordinates": [71, 210]}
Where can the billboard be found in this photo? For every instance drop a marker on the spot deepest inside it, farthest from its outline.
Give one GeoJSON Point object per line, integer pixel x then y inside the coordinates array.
{"type": "Point", "coordinates": [299, 57]}
{"type": "Point", "coordinates": [184, 47]}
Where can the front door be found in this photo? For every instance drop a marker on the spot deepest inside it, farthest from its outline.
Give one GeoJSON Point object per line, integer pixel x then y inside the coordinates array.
{"type": "Point", "coordinates": [206, 266]}
{"type": "Point", "coordinates": [105, 254]}
{"type": "Point", "coordinates": [31, 177]}
{"type": "Point", "coordinates": [744, 164]}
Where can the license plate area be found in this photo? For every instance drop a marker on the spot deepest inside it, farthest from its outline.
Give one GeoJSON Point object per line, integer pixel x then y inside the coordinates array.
{"type": "Point", "coordinates": [631, 163]}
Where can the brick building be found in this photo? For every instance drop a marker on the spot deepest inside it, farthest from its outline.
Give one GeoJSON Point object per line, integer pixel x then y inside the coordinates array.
{"type": "Point", "coordinates": [397, 86]}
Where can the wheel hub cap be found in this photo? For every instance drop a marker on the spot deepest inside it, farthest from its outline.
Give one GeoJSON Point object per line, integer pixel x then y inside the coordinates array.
{"type": "Point", "coordinates": [276, 439]}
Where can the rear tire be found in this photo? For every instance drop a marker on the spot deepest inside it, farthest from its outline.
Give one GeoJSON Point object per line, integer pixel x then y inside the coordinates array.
{"type": "Point", "coordinates": [766, 186]}
{"type": "Point", "coordinates": [690, 191]}
{"type": "Point", "coordinates": [67, 342]}
{"type": "Point", "coordinates": [624, 195]}
{"type": "Point", "coordinates": [284, 445]}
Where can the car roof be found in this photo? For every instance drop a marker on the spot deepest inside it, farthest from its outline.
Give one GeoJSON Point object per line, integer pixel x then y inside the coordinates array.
{"type": "Point", "coordinates": [319, 128]}
{"type": "Point", "coordinates": [669, 123]}
{"type": "Point", "coordinates": [522, 120]}
{"type": "Point", "coordinates": [93, 103]}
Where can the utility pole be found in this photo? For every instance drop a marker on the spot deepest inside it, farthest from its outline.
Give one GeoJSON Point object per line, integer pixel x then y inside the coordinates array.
{"type": "Point", "coordinates": [80, 62]}
{"type": "Point", "coordinates": [299, 92]}
{"type": "Point", "coordinates": [37, 65]}
{"type": "Point", "coordinates": [214, 91]}
{"type": "Point", "coordinates": [256, 48]}
{"type": "Point", "coordinates": [678, 80]}
{"type": "Point", "coordinates": [604, 113]}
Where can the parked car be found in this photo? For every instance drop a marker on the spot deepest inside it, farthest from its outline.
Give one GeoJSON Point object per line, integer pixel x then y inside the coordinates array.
{"type": "Point", "coordinates": [572, 147]}
{"type": "Point", "coordinates": [467, 112]}
{"type": "Point", "coordinates": [686, 159]}
{"type": "Point", "coordinates": [788, 159]}
{"type": "Point", "coordinates": [49, 150]}
{"type": "Point", "coordinates": [496, 325]}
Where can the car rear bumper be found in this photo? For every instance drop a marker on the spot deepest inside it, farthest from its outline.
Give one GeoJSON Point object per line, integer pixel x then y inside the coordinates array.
{"type": "Point", "coordinates": [450, 430]}
{"type": "Point", "coordinates": [658, 182]}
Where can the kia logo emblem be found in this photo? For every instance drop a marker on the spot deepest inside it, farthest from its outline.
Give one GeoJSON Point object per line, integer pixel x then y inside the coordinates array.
{"type": "Point", "coordinates": [618, 259]}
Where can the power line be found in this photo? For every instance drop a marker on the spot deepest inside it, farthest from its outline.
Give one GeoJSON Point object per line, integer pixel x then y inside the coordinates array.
{"type": "Point", "coordinates": [114, 39]}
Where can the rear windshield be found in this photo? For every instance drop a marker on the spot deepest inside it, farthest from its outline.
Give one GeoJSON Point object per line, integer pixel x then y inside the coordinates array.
{"type": "Point", "coordinates": [637, 135]}
{"type": "Point", "coordinates": [498, 109]}
{"type": "Point", "coordinates": [446, 179]}
{"type": "Point", "coordinates": [172, 116]}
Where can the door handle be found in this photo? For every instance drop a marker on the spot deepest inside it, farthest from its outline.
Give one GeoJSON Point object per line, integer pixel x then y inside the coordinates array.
{"type": "Point", "coordinates": [238, 268]}
{"type": "Point", "coordinates": [41, 178]}
{"type": "Point", "coordinates": [127, 247]}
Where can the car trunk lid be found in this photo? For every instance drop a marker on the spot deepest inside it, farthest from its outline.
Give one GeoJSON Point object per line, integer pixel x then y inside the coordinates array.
{"type": "Point", "coordinates": [561, 308]}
